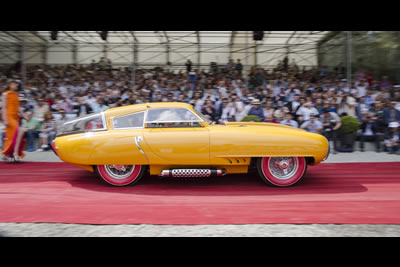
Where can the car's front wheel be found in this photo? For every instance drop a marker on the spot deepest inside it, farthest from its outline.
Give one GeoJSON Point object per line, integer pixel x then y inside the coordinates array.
{"type": "Point", "coordinates": [120, 175]}
{"type": "Point", "coordinates": [281, 171]}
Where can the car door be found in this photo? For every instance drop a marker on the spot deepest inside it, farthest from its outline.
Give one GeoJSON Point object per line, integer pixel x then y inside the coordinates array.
{"type": "Point", "coordinates": [175, 136]}
{"type": "Point", "coordinates": [121, 145]}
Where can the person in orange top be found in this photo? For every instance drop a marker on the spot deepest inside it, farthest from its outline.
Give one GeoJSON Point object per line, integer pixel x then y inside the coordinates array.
{"type": "Point", "coordinates": [11, 116]}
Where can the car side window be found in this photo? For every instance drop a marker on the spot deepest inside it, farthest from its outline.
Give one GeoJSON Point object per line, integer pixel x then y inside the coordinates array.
{"type": "Point", "coordinates": [134, 120]}
{"type": "Point", "coordinates": [171, 118]}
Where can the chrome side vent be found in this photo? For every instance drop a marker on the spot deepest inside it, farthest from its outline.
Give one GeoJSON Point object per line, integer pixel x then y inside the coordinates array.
{"type": "Point", "coordinates": [192, 173]}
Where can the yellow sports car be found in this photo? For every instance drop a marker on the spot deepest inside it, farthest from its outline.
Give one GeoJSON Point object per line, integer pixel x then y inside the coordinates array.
{"type": "Point", "coordinates": [174, 140]}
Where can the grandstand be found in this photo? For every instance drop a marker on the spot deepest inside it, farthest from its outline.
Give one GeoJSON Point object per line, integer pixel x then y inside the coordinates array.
{"type": "Point", "coordinates": [288, 69]}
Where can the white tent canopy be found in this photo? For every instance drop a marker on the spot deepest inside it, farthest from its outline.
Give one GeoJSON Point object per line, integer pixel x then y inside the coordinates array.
{"type": "Point", "coordinates": [156, 48]}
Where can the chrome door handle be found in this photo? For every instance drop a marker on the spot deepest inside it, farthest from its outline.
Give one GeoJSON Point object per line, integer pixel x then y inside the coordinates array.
{"type": "Point", "coordinates": [137, 140]}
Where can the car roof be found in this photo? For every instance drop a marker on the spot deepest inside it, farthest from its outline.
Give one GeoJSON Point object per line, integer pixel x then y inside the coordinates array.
{"type": "Point", "coordinates": [138, 107]}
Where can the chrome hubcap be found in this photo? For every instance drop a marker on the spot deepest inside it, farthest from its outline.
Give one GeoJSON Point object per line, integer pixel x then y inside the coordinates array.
{"type": "Point", "coordinates": [283, 167]}
{"type": "Point", "coordinates": [119, 171]}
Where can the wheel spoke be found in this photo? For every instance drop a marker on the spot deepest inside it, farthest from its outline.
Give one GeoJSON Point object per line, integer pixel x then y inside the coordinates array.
{"type": "Point", "coordinates": [283, 167]}
{"type": "Point", "coordinates": [119, 171]}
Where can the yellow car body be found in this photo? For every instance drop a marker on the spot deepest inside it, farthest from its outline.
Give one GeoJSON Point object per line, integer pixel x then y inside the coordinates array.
{"type": "Point", "coordinates": [229, 147]}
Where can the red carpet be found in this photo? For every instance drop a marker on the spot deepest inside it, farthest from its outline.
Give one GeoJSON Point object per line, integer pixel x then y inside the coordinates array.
{"type": "Point", "coordinates": [343, 193]}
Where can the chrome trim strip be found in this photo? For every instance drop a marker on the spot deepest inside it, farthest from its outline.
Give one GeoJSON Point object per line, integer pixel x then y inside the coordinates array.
{"type": "Point", "coordinates": [192, 172]}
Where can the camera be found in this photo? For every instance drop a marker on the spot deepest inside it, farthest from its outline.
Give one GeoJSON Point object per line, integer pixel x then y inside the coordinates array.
{"type": "Point", "coordinates": [329, 128]}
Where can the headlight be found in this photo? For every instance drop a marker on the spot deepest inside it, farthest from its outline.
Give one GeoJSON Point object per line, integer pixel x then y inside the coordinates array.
{"type": "Point", "coordinates": [327, 154]}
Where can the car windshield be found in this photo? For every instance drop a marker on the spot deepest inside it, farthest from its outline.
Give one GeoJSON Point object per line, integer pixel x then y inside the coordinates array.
{"type": "Point", "coordinates": [172, 118]}
{"type": "Point", "coordinates": [171, 115]}
{"type": "Point", "coordinates": [202, 116]}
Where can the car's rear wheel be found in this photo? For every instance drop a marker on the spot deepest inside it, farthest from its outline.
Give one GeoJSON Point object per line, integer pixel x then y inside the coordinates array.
{"type": "Point", "coordinates": [120, 175]}
{"type": "Point", "coordinates": [281, 171]}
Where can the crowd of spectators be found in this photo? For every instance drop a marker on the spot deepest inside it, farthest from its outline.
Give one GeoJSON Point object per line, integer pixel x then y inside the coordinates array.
{"type": "Point", "coordinates": [313, 99]}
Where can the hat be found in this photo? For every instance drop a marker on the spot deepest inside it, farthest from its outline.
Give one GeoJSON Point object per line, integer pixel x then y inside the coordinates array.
{"type": "Point", "coordinates": [256, 102]}
{"type": "Point", "coordinates": [393, 124]}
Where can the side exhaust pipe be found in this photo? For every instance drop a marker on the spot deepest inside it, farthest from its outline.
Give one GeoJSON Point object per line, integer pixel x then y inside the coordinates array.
{"type": "Point", "coordinates": [192, 172]}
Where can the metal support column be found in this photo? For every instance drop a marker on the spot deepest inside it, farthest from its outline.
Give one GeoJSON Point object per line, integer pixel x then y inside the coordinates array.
{"type": "Point", "coordinates": [22, 58]}
{"type": "Point", "coordinates": [198, 50]}
{"type": "Point", "coordinates": [255, 53]}
{"type": "Point", "coordinates": [247, 58]}
{"type": "Point", "coordinates": [105, 51]}
{"type": "Point", "coordinates": [134, 63]}
{"type": "Point", "coordinates": [349, 58]}
{"type": "Point", "coordinates": [75, 53]}
{"type": "Point", "coordinates": [44, 54]}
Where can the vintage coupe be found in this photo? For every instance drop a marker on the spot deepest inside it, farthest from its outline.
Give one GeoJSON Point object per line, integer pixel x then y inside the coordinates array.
{"type": "Point", "coordinates": [174, 140]}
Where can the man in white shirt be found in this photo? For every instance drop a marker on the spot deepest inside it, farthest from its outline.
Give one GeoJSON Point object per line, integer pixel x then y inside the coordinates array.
{"type": "Point", "coordinates": [277, 88]}
{"type": "Point", "coordinates": [221, 88]}
{"type": "Point", "coordinates": [291, 92]}
{"type": "Point", "coordinates": [226, 111]}
{"type": "Point", "coordinates": [306, 110]}
{"type": "Point", "coordinates": [295, 103]}
{"type": "Point", "coordinates": [361, 89]}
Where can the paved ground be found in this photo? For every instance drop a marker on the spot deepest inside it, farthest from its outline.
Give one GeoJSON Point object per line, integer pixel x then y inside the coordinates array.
{"type": "Point", "coordinates": [249, 230]}
{"type": "Point", "coordinates": [254, 230]}
{"type": "Point", "coordinates": [357, 156]}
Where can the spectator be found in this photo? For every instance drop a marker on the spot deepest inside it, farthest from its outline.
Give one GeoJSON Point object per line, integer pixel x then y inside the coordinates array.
{"type": "Point", "coordinates": [108, 65]}
{"type": "Point", "coordinates": [291, 93]}
{"type": "Point", "coordinates": [226, 111]}
{"type": "Point", "coordinates": [312, 125]}
{"type": "Point", "coordinates": [41, 109]}
{"type": "Point", "coordinates": [257, 110]}
{"type": "Point", "coordinates": [60, 121]}
{"type": "Point", "coordinates": [306, 110]}
{"type": "Point", "coordinates": [385, 82]}
{"type": "Point", "coordinates": [239, 68]}
{"type": "Point", "coordinates": [369, 131]}
{"type": "Point", "coordinates": [82, 108]}
{"type": "Point", "coordinates": [229, 65]}
{"type": "Point", "coordinates": [347, 104]}
{"type": "Point", "coordinates": [391, 114]}
{"type": "Point", "coordinates": [340, 70]}
{"type": "Point", "coordinates": [270, 119]}
{"type": "Point", "coordinates": [100, 105]}
{"type": "Point", "coordinates": [289, 120]}
{"type": "Point", "coordinates": [331, 123]}
{"type": "Point", "coordinates": [239, 107]}
{"type": "Point", "coordinates": [392, 138]}
{"type": "Point", "coordinates": [33, 128]}
{"type": "Point", "coordinates": [48, 130]}
{"type": "Point", "coordinates": [279, 113]}
{"type": "Point", "coordinates": [209, 111]}
{"type": "Point", "coordinates": [188, 65]}
{"type": "Point", "coordinates": [361, 89]}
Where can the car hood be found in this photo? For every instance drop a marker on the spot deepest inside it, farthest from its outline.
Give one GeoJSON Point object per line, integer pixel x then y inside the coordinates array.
{"type": "Point", "coordinates": [261, 124]}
